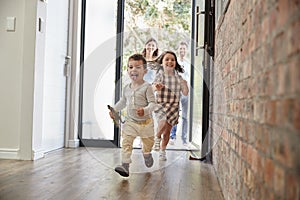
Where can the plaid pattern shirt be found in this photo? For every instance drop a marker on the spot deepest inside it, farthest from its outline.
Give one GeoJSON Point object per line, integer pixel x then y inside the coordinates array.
{"type": "Point", "coordinates": [168, 97]}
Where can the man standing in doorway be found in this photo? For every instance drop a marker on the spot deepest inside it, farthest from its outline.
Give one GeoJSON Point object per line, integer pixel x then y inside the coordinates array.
{"type": "Point", "coordinates": [182, 51]}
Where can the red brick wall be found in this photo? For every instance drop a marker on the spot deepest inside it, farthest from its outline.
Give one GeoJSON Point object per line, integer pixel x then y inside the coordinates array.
{"type": "Point", "coordinates": [255, 100]}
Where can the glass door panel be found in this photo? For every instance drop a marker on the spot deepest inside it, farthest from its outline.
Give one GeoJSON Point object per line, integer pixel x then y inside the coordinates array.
{"type": "Point", "coordinates": [197, 104]}
{"type": "Point", "coordinates": [197, 92]}
{"type": "Point", "coordinates": [99, 72]}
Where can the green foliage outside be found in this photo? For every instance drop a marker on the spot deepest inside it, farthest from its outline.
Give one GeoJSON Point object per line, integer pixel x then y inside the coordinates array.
{"type": "Point", "coordinates": [169, 22]}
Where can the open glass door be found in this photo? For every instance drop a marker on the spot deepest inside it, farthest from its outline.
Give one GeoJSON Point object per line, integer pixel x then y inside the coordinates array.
{"type": "Point", "coordinates": [100, 63]}
{"type": "Point", "coordinates": [202, 59]}
{"type": "Point", "coordinates": [197, 75]}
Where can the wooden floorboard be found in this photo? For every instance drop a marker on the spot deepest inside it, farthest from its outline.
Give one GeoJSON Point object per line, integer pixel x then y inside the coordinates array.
{"type": "Point", "coordinates": [88, 173]}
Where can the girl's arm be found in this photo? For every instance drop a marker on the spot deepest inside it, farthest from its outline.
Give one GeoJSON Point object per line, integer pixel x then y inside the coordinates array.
{"type": "Point", "coordinates": [157, 85]}
{"type": "Point", "coordinates": [184, 87]}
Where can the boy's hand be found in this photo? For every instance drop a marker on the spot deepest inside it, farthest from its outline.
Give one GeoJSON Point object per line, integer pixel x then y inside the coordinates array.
{"type": "Point", "coordinates": [140, 112]}
{"type": "Point", "coordinates": [111, 115]}
{"type": "Point", "coordinates": [115, 116]}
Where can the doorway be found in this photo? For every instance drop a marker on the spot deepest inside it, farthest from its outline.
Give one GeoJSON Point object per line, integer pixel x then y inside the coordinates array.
{"type": "Point", "coordinates": [128, 24]}
{"type": "Point", "coordinates": [167, 24]}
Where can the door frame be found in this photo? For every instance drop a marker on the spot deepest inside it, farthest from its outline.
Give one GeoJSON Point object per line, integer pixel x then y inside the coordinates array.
{"type": "Point", "coordinates": [115, 142]}
{"type": "Point", "coordinates": [208, 40]}
{"type": "Point", "coordinates": [207, 64]}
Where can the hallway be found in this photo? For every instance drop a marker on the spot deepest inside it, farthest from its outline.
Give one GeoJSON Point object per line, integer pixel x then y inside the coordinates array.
{"type": "Point", "coordinates": [73, 174]}
{"type": "Point", "coordinates": [249, 55]}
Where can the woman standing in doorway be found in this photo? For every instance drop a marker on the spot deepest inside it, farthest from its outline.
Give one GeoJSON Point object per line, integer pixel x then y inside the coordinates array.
{"type": "Point", "coordinates": [150, 53]}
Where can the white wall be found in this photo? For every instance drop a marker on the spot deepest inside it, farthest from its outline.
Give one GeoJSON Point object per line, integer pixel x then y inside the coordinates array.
{"type": "Point", "coordinates": [21, 79]}
{"type": "Point", "coordinates": [17, 55]}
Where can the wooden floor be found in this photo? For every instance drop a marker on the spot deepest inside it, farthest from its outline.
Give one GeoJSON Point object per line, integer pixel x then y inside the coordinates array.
{"type": "Point", "coordinates": [88, 173]}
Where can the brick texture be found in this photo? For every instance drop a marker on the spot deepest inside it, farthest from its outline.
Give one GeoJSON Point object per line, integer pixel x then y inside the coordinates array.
{"type": "Point", "coordinates": [257, 65]}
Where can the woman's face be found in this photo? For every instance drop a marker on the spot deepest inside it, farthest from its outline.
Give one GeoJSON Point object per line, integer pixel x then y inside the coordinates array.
{"type": "Point", "coordinates": [151, 46]}
{"type": "Point", "coordinates": [169, 62]}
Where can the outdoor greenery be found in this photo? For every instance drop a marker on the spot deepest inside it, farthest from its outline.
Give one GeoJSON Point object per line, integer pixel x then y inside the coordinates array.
{"type": "Point", "coordinates": [169, 22]}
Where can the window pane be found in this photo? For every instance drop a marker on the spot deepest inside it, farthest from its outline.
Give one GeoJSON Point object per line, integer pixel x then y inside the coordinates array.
{"type": "Point", "coordinates": [198, 75]}
{"type": "Point", "coordinates": [99, 69]}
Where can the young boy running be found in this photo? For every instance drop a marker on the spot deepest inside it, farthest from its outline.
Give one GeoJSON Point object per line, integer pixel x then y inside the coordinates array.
{"type": "Point", "coordinates": [139, 100]}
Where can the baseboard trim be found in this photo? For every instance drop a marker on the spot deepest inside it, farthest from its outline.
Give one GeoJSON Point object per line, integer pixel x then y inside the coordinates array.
{"type": "Point", "coordinates": [73, 143]}
{"type": "Point", "coordinates": [9, 154]}
{"type": "Point", "coordinates": [37, 154]}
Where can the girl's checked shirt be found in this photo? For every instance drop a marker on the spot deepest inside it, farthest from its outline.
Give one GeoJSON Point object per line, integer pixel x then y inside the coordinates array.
{"type": "Point", "coordinates": [169, 96]}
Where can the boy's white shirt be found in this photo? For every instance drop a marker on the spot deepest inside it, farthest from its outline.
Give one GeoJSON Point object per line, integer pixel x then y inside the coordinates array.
{"type": "Point", "coordinates": [140, 97]}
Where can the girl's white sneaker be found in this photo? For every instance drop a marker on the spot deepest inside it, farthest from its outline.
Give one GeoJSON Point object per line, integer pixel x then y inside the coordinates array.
{"type": "Point", "coordinates": [162, 155]}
